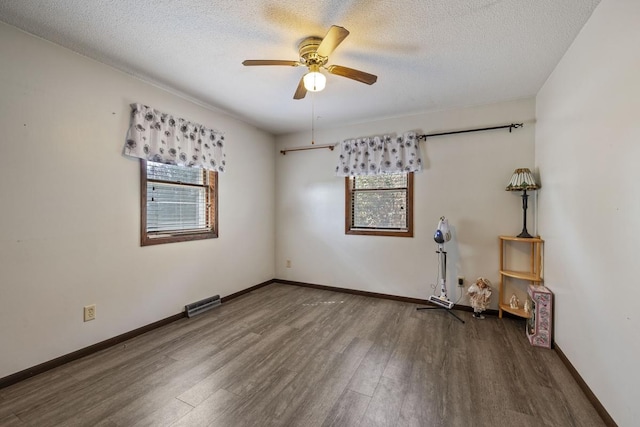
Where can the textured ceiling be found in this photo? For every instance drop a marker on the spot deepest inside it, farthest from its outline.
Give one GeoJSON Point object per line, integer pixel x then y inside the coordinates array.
{"type": "Point", "coordinates": [427, 54]}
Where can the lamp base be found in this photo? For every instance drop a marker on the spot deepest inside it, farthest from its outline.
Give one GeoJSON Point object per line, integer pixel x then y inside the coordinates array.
{"type": "Point", "coordinates": [525, 234]}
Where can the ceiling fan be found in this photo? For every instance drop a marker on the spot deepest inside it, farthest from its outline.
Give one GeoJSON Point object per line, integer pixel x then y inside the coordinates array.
{"type": "Point", "coordinates": [314, 54]}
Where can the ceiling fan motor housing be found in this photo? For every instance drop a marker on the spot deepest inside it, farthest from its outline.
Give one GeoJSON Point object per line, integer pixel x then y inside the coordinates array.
{"type": "Point", "coordinates": [308, 49]}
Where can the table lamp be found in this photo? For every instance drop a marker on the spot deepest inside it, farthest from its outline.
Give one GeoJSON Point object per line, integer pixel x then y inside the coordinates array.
{"type": "Point", "coordinates": [523, 180]}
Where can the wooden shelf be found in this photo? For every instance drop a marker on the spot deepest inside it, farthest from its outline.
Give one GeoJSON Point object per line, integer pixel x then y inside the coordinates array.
{"type": "Point", "coordinates": [522, 239]}
{"type": "Point", "coordinates": [517, 311]}
{"type": "Point", "coordinates": [533, 276]}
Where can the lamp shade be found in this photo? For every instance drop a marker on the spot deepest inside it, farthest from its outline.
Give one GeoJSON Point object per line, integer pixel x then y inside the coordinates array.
{"type": "Point", "coordinates": [522, 180]}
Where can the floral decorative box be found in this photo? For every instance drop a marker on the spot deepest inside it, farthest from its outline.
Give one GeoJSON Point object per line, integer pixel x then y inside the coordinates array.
{"type": "Point", "coordinates": [540, 323]}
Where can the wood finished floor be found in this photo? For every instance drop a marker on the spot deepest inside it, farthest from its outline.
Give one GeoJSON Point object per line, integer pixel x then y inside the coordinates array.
{"type": "Point", "coordinates": [287, 355]}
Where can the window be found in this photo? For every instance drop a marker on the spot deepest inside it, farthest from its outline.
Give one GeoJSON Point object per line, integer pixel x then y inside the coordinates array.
{"type": "Point", "coordinates": [178, 203]}
{"type": "Point", "coordinates": [380, 205]}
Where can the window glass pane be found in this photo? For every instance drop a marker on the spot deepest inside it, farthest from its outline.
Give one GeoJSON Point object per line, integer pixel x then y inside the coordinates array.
{"type": "Point", "coordinates": [174, 173]}
{"type": "Point", "coordinates": [379, 205]}
{"type": "Point", "coordinates": [179, 204]}
{"type": "Point", "coordinates": [380, 209]}
{"type": "Point", "coordinates": [381, 181]}
{"type": "Point", "coordinates": [173, 207]}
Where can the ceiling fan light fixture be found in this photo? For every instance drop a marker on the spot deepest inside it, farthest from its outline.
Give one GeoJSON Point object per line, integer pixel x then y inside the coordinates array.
{"type": "Point", "coordinates": [314, 81]}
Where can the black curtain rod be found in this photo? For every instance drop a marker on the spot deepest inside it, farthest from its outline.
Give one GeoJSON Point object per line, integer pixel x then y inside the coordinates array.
{"type": "Point", "coordinates": [511, 127]}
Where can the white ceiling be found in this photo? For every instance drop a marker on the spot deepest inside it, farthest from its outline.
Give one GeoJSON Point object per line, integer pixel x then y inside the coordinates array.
{"type": "Point", "coordinates": [427, 54]}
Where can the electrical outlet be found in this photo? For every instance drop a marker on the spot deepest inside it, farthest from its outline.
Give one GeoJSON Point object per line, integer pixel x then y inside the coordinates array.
{"type": "Point", "coordinates": [89, 312]}
{"type": "Point", "coordinates": [460, 280]}
{"type": "Point", "coordinates": [288, 263]}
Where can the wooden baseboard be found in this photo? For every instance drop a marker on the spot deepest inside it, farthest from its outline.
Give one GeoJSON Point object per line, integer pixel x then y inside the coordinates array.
{"type": "Point", "coordinates": [378, 295]}
{"type": "Point", "coordinates": [59, 361]}
{"type": "Point", "coordinates": [246, 291]}
{"type": "Point", "coordinates": [600, 409]}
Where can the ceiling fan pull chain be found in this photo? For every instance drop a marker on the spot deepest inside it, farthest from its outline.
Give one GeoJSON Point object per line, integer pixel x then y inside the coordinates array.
{"type": "Point", "coordinates": [313, 102]}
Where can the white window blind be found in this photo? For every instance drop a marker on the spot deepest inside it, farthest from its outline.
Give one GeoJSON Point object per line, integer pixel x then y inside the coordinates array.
{"type": "Point", "coordinates": [177, 199]}
{"type": "Point", "coordinates": [380, 202]}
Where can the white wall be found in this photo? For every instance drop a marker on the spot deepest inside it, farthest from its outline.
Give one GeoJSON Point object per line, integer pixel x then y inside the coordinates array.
{"type": "Point", "coordinates": [70, 207]}
{"type": "Point", "coordinates": [464, 179]}
{"type": "Point", "coordinates": [587, 151]}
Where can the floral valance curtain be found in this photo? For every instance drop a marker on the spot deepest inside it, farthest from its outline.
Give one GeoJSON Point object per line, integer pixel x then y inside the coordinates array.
{"type": "Point", "coordinates": [160, 137]}
{"type": "Point", "coordinates": [377, 155]}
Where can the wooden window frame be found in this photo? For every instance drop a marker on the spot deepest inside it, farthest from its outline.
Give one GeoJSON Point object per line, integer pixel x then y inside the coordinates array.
{"type": "Point", "coordinates": [147, 239]}
{"type": "Point", "coordinates": [382, 231]}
